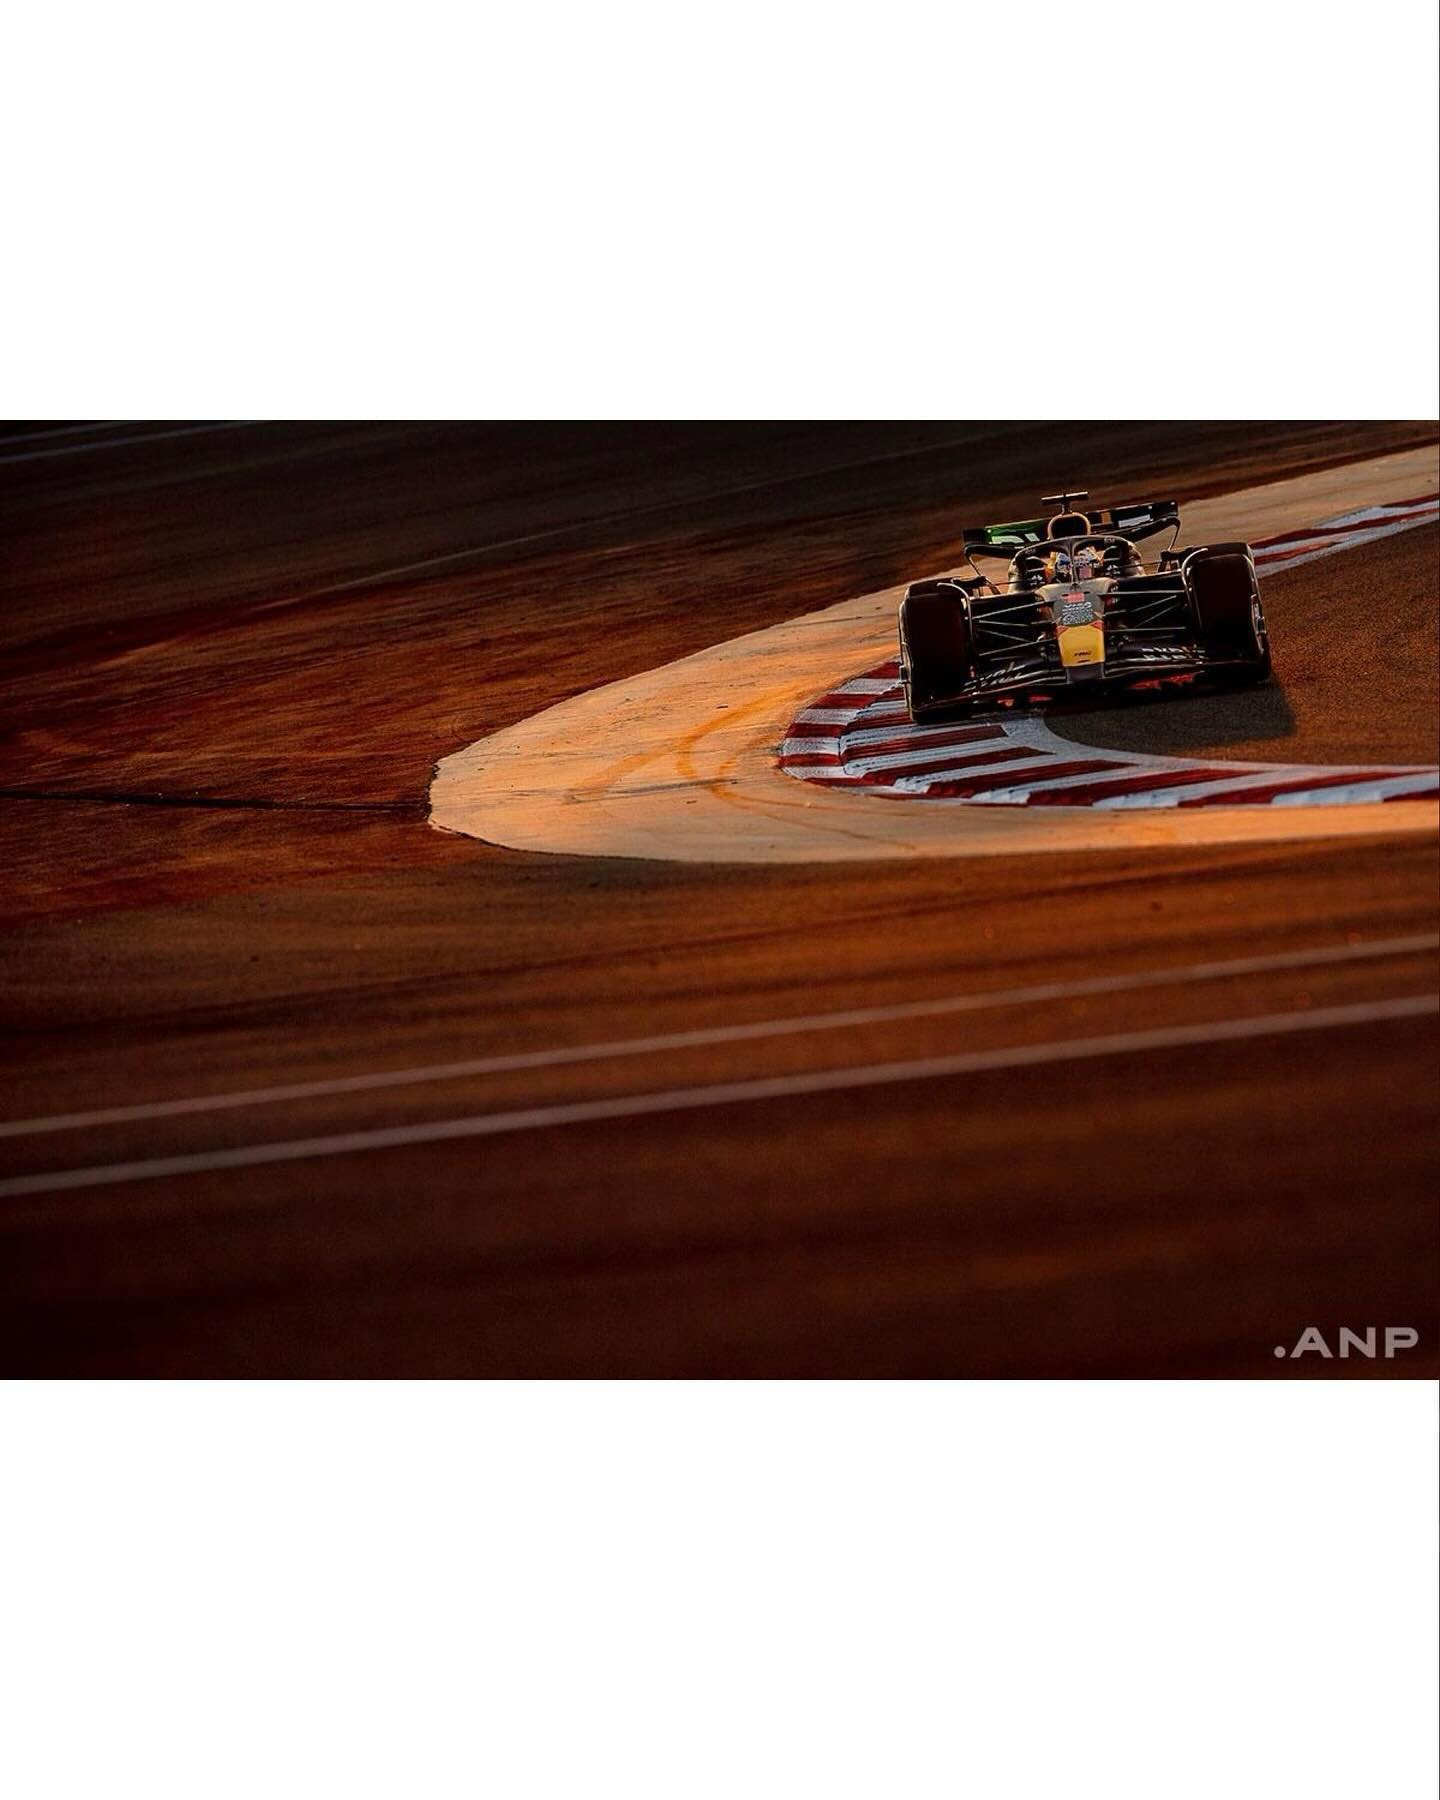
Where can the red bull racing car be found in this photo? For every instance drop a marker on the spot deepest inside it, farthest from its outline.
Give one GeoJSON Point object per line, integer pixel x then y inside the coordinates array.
{"type": "Point", "coordinates": [1078, 609]}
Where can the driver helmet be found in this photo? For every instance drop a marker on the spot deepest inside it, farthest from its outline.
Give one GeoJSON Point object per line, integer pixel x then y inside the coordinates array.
{"type": "Point", "coordinates": [1087, 562]}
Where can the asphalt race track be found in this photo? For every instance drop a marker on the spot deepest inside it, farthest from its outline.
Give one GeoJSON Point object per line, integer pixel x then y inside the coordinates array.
{"type": "Point", "coordinates": [296, 1084]}
{"type": "Point", "coordinates": [662, 766]}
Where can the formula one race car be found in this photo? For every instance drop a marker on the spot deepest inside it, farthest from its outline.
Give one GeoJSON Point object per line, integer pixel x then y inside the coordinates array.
{"type": "Point", "coordinates": [1078, 609]}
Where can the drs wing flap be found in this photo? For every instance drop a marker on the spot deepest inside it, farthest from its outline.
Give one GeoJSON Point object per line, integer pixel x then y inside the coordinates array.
{"type": "Point", "coordinates": [1138, 519]}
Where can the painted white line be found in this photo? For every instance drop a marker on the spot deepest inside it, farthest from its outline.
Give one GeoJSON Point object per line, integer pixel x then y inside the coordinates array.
{"type": "Point", "coordinates": [694, 785]}
{"type": "Point", "coordinates": [917, 734]}
{"type": "Point", "coordinates": [836, 773]}
{"type": "Point", "coordinates": [909, 764]}
{"type": "Point", "coordinates": [955, 759]}
{"type": "Point", "coordinates": [1200, 790]}
{"type": "Point", "coordinates": [853, 1018]}
{"type": "Point", "coordinates": [1381, 784]}
{"type": "Point", "coordinates": [727, 1093]}
{"type": "Point", "coordinates": [148, 437]}
{"type": "Point", "coordinates": [1392, 787]}
{"type": "Point", "coordinates": [89, 427]}
{"type": "Point", "coordinates": [1364, 514]}
{"type": "Point", "coordinates": [1021, 787]}
{"type": "Point", "coordinates": [1275, 565]}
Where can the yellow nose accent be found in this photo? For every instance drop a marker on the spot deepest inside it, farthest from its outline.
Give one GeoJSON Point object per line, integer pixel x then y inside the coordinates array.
{"type": "Point", "coordinates": [1082, 644]}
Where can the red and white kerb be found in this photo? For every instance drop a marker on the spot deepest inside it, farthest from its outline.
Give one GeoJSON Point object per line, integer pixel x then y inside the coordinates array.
{"type": "Point", "coordinates": [859, 736]}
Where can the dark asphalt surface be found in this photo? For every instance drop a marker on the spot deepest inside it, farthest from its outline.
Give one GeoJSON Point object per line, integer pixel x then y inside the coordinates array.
{"type": "Point", "coordinates": [220, 877]}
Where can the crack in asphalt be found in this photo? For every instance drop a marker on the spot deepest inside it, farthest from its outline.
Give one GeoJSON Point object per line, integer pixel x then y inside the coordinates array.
{"type": "Point", "coordinates": [219, 802]}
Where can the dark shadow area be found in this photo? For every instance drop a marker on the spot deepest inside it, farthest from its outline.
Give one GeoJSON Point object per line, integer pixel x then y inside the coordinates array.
{"type": "Point", "coordinates": [1178, 721]}
{"type": "Point", "coordinates": [1355, 642]}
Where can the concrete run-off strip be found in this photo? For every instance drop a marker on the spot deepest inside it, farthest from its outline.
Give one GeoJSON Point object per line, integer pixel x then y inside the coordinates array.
{"type": "Point", "coordinates": [679, 764]}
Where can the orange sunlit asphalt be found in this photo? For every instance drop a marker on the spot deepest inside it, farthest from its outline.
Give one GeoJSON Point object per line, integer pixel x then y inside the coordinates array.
{"type": "Point", "coordinates": [220, 878]}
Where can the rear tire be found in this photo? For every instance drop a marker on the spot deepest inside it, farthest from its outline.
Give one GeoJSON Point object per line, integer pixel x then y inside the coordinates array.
{"type": "Point", "coordinates": [937, 657]}
{"type": "Point", "coordinates": [1225, 594]}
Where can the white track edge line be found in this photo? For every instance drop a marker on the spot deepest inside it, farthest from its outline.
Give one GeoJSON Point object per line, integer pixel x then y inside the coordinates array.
{"type": "Point", "coordinates": [728, 1093]}
{"type": "Point", "coordinates": [849, 1019]}
{"type": "Point", "coordinates": [1367, 525]}
{"type": "Point", "coordinates": [121, 443]}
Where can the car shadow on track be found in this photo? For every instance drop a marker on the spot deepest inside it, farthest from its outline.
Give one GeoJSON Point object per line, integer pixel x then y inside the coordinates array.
{"type": "Point", "coordinates": [1178, 723]}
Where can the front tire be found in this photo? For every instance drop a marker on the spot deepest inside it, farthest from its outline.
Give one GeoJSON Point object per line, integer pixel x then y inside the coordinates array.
{"type": "Point", "coordinates": [937, 655]}
{"type": "Point", "coordinates": [1225, 595]}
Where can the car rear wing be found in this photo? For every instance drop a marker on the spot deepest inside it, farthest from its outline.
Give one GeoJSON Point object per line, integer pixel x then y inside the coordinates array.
{"type": "Point", "coordinates": [1140, 519]}
{"type": "Point", "coordinates": [1137, 519]}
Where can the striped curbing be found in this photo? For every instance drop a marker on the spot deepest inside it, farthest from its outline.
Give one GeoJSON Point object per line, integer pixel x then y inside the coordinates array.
{"type": "Point", "coordinates": [858, 735]}
{"type": "Point", "coordinates": [679, 764]}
